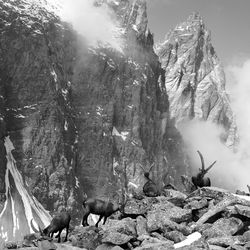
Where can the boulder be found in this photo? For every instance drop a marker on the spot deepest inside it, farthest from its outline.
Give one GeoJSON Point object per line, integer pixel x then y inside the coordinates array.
{"type": "Point", "coordinates": [225, 241]}
{"type": "Point", "coordinates": [86, 237]}
{"type": "Point", "coordinates": [174, 236]}
{"type": "Point", "coordinates": [162, 213]}
{"type": "Point", "coordinates": [223, 227]}
{"type": "Point", "coordinates": [119, 232]}
{"type": "Point", "coordinates": [141, 226]}
{"type": "Point", "coordinates": [196, 204]}
{"type": "Point", "coordinates": [139, 207]}
{"type": "Point", "coordinates": [156, 246]}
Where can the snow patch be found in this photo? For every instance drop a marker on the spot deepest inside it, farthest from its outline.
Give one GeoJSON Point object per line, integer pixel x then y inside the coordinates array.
{"type": "Point", "coordinates": [65, 93]}
{"type": "Point", "coordinates": [99, 110]}
{"type": "Point", "coordinates": [19, 116]}
{"type": "Point", "coordinates": [123, 134]}
{"type": "Point", "coordinates": [135, 28]}
{"type": "Point", "coordinates": [66, 125]}
{"type": "Point", "coordinates": [189, 240]}
{"type": "Point", "coordinates": [136, 83]}
{"type": "Point", "coordinates": [29, 202]}
{"type": "Point", "coordinates": [77, 182]}
{"type": "Point", "coordinates": [32, 106]}
{"type": "Point", "coordinates": [144, 76]}
{"type": "Point", "coordinates": [53, 73]}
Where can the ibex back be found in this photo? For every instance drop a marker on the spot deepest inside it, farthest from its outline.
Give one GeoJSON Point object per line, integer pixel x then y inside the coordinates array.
{"type": "Point", "coordinates": [99, 207]}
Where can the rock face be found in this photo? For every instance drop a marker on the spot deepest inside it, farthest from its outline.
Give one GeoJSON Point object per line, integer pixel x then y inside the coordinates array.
{"type": "Point", "coordinates": [81, 119]}
{"type": "Point", "coordinates": [194, 77]}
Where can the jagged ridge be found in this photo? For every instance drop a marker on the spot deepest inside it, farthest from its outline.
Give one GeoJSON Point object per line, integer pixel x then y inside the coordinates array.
{"type": "Point", "coordinates": [194, 78]}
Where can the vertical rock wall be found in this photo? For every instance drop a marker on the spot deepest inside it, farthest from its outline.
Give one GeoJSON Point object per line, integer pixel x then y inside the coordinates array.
{"type": "Point", "coordinates": [82, 119]}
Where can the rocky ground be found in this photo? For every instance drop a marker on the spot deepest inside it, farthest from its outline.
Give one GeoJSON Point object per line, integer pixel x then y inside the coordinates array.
{"type": "Point", "coordinates": [207, 218]}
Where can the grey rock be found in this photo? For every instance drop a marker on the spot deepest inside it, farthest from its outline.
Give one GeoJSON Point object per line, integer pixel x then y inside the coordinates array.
{"type": "Point", "coordinates": [195, 204]}
{"type": "Point", "coordinates": [46, 245]}
{"type": "Point", "coordinates": [174, 196]}
{"type": "Point", "coordinates": [162, 213]}
{"type": "Point", "coordinates": [105, 246]}
{"type": "Point", "coordinates": [246, 235]}
{"type": "Point", "coordinates": [139, 207]}
{"type": "Point", "coordinates": [119, 232]}
{"type": "Point", "coordinates": [225, 241]}
{"type": "Point", "coordinates": [214, 247]}
{"type": "Point", "coordinates": [141, 226]}
{"type": "Point", "coordinates": [156, 246]}
{"type": "Point", "coordinates": [223, 227]}
{"type": "Point", "coordinates": [243, 210]}
{"type": "Point", "coordinates": [86, 237]}
{"type": "Point", "coordinates": [174, 236]}
{"type": "Point", "coordinates": [237, 247]}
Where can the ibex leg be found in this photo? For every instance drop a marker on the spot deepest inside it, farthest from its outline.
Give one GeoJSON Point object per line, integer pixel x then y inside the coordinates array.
{"type": "Point", "coordinates": [101, 216]}
{"type": "Point", "coordinates": [58, 236]}
{"type": "Point", "coordinates": [67, 231]}
{"type": "Point", "coordinates": [85, 220]}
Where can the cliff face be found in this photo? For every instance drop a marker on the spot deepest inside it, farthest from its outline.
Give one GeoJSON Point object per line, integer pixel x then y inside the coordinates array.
{"type": "Point", "coordinates": [194, 78]}
{"type": "Point", "coordinates": [81, 119]}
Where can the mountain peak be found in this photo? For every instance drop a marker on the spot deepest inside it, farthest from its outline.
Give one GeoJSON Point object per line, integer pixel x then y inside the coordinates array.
{"type": "Point", "coordinates": [194, 78]}
{"type": "Point", "coordinates": [195, 16]}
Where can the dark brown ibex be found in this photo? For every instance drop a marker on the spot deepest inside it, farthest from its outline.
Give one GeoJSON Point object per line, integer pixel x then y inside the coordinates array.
{"type": "Point", "coordinates": [58, 223]}
{"type": "Point", "coordinates": [149, 189]}
{"type": "Point", "coordinates": [104, 208]}
{"type": "Point", "coordinates": [199, 180]}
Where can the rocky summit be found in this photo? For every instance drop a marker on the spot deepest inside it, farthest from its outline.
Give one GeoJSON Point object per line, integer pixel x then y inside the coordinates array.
{"type": "Point", "coordinates": [194, 77]}
{"type": "Point", "coordinates": [81, 120]}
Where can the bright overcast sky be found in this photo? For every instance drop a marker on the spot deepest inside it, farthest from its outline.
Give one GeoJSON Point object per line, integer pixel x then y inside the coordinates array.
{"type": "Point", "coordinates": [228, 20]}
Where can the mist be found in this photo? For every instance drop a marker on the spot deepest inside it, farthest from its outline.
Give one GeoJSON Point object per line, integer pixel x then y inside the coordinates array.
{"type": "Point", "coordinates": [232, 169]}
{"type": "Point", "coordinates": [97, 24]}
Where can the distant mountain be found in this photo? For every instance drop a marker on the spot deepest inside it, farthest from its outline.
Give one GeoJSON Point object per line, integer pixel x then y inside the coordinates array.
{"type": "Point", "coordinates": [194, 77]}
{"type": "Point", "coordinates": [76, 119]}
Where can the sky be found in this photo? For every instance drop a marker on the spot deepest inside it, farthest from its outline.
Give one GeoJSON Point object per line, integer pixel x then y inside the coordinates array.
{"type": "Point", "coordinates": [228, 21]}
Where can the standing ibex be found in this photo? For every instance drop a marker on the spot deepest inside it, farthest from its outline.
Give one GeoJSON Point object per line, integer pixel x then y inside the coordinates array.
{"type": "Point", "coordinates": [149, 189]}
{"type": "Point", "coordinates": [58, 223]}
{"type": "Point", "coordinates": [199, 180]}
{"type": "Point", "coordinates": [104, 208]}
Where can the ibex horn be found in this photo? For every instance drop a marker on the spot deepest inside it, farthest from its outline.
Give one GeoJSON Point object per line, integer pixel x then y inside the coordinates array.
{"type": "Point", "coordinates": [202, 161]}
{"type": "Point", "coordinates": [210, 166]}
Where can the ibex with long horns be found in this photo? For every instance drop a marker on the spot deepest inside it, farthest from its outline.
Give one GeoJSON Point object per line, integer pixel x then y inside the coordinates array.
{"type": "Point", "coordinates": [149, 189]}
{"type": "Point", "coordinates": [199, 180]}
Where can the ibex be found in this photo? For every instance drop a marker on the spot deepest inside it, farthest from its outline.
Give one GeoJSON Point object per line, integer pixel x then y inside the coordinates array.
{"type": "Point", "coordinates": [199, 180]}
{"type": "Point", "coordinates": [58, 223]}
{"type": "Point", "coordinates": [104, 208]}
{"type": "Point", "coordinates": [149, 189]}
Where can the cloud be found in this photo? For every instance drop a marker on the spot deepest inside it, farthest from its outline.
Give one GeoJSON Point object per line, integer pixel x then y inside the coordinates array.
{"type": "Point", "coordinates": [96, 24]}
{"type": "Point", "coordinates": [232, 169]}
{"type": "Point", "coordinates": [238, 78]}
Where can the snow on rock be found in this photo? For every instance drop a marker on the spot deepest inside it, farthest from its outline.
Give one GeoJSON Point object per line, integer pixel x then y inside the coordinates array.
{"type": "Point", "coordinates": [194, 77]}
{"type": "Point", "coordinates": [123, 134]}
{"type": "Point", "coordinates": [20, 207]}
